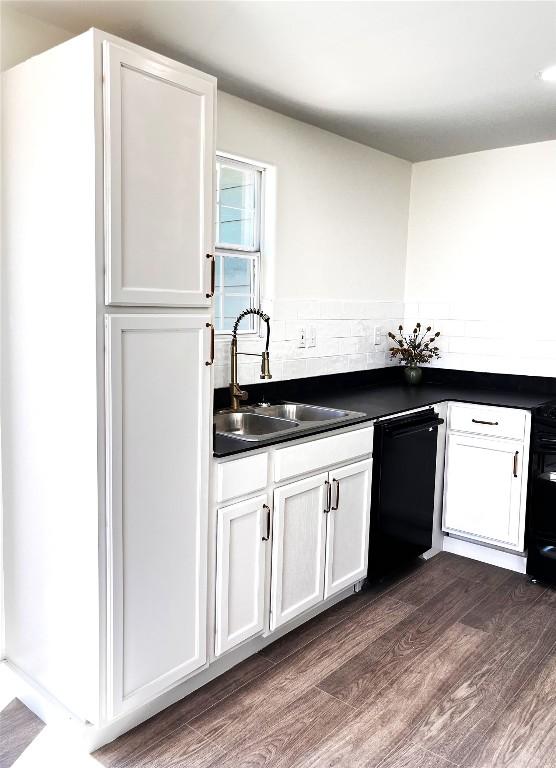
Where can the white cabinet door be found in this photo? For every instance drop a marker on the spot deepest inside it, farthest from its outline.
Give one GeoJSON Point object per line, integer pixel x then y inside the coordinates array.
{"type": "Point", "coordinates": [243, 531]}
{"type": "Point", "coordinates": [298, 548]}
{"type": "Point", "coordinates": [482, 489]}
{"type": "Point", "coordinates": [159, 180]}
{"type": "Point", "coordinates": [158, 427]}
{"type": "Point", "coordinates": [347, 543]}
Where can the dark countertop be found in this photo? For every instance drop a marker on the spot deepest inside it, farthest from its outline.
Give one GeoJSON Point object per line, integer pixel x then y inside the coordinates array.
{"type": "Point", "coordinates": [383, 395]}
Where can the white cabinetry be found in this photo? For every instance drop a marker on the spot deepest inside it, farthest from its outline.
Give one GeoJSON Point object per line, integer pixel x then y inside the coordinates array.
{"type": "Point", "coordinates": [320, 538]}
{"type": "Point", "coordinates": [243, 533]}
{"type": "Point", "coordinates": [298, 547]}
{"type": "Point", "coordinates": [347, 542]}
{"type": "Point", "coordinates": [158, 408]}
{"type": "Point", "coordinates": [486, 477]}
{"type": "Point", "coordinates": [106, 448]}
{"type": "Point", "coordinates": [159, 160]}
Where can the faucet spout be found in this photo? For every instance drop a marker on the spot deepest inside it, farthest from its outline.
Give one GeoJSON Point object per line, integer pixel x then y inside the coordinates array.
{"type": "Point", "coordinates": [236, 393]}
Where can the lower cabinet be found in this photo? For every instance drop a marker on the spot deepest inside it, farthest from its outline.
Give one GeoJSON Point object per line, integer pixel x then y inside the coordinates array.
{"type": "Point", "coordinates": [483, 496]}
{"type": "Point", "coordinates": [157, 480]}
{"type": "Point", "coordinates": [347, 542]}
{"type": "Point", "coordinates": [298, 547]}
{"type": "Point", "coordinates": [320, 538]}
{"type": "Point", "coordinates": [287, 549]}
{"type": "Point", "coordinates": [243, 533]}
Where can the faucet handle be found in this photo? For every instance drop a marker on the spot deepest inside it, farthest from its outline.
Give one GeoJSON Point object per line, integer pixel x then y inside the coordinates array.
{"type": "Point", "coordinates": [241, 394]}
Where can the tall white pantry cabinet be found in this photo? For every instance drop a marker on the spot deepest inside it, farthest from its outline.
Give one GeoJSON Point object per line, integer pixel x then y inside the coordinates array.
{"type": "Point", "coordinates": [108, 183]}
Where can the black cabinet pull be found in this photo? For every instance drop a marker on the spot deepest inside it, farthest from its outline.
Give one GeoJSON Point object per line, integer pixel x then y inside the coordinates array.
{"type": "Point", "coordinates": [489, 423]}
{"type": "Point", "coordinates": [516, 454]}
{"type": "Point", "coordinates": [267, 508]}
{"type": "Point", "coordinates": [211, 361]}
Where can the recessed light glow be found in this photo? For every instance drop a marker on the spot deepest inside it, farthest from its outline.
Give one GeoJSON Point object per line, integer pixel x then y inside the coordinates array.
{"type": "Point", "coordinates": [549, 74]}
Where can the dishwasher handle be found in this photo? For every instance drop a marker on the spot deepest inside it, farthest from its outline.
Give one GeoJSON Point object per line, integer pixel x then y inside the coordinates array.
{"type": "Point", "coordinates": [429, 426]}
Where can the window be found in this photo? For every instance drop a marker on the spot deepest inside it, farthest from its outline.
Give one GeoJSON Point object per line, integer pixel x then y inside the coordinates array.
{"type": "Point", "coordinates": [238, 242]}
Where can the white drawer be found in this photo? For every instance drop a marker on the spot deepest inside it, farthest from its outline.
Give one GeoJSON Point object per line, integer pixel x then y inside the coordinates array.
{"type": "Point", "coordinates": [487, 420]}
{"type": "Point", "coordinates": [322, 452]}
{"type": "Point", "coordinates": [241, 477]}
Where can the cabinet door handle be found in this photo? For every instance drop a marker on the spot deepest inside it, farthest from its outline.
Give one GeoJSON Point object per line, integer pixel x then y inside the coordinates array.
{"type": "Point", "coordinates": [489, 423]}
{"type": "Point", "coordinates": [212, 275]}
{"type": "Point", "coordinates": [328, 495]}
{"type": "Point", "coordinates": [335, 507]}
{"type": "Point", "coordinates": [211, 361]}
{"type": "Point", "coordinates": [516, 454]}
{"type": "Point", "coordinates": [267, 508]}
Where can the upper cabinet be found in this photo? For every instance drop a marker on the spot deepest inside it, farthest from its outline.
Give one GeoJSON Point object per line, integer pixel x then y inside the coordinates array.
{"type": "Point", "coordinates": [159, 180]}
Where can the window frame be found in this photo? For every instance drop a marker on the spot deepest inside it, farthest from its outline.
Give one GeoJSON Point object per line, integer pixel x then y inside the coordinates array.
{"type": "Point", "coordinates": [256, 252]}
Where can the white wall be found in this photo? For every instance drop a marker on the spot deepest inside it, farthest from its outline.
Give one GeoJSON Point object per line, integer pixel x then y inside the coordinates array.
{"type": "Point", "coordinates": [341, 207]}
{"type": "Point", "coordinates": [481, 260]}
{"type": "Point", "coordinates": [23, 36]}
{"type": "Point", "coordinates": [340, 245]}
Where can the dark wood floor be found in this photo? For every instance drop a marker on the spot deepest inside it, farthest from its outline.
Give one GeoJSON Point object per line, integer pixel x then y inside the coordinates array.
{"type": "Point", "coordinates": [18, 728]}
{"type": "Point", "coordinates": [452, 664]}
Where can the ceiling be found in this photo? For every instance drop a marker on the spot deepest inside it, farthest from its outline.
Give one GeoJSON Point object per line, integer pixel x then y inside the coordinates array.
{"type": "Point", "coordinates": [417, 79]}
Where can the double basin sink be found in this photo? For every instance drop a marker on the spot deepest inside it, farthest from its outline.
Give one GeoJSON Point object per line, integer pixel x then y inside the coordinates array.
{"type": "Point", "coordinates": [262, 422]}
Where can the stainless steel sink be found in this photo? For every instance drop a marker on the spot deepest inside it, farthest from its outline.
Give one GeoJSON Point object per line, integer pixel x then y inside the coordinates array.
{"type": "Point", "coordinates": [261, 422]}
{"type": "Point", "coordinates": [250, 426]}
{"type": "Point", "coordinates": [300, 412]}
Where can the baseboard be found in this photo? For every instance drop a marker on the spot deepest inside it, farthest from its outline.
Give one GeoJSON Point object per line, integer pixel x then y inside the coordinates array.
{"type": "Point", "coordinates": [510, 560]}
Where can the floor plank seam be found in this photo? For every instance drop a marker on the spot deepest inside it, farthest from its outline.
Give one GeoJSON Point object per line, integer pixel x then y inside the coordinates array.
{"type": "Point", "coordinates": [412, 660]}
{"type": "Point", "coordinates": [211, 741]}
{"type": "Point", "coordinates": [202, 739]}
{"type": "Point", "coordinates": [345, 703]}
{"type": "Point", "coordinates": [232, 693]}
{"type": "Point", "coordinates": [337, 624]}
{"type": "Point", "coordinates": [130, 761]}
{"type": "Point", "coordinates": [440, 757]}
{"type": "Point", "coordinates": [550, 652]}
{"type": "Point", "coordinates": [508, 626]}
{"type": "Point", "coordinates": [315, 637]}
{"type": "Point", "coordinates": [365, 604]}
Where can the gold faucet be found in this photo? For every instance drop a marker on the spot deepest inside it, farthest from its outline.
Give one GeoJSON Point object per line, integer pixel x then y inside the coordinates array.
{"type": "Point", "coordinates": [236, 393]}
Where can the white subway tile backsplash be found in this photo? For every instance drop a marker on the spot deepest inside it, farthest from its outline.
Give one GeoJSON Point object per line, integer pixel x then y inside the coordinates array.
{"type": "Point", "coordinates": [364, 344]}
{"type": "Point", "coordinates": [327, 347]}
{"type": "Point", "coordinates": [357, 362]}
{"type": "Point", "coordinates": [480, 336]}
{"type": "Point", "coordinates": [295, 369]}
{"type": "Point", "coordinates": [473, 337]}
{"type": "Point", "coordinates": [316, 366]}
{"type": "Point", "coordinates": [361, 328]}
{"type": "Point", "coordinates": [343, 331]}
{"type": "Point", "coordinates": [335, 364]}
{"type": "Point", "coordinates": [348, 346]}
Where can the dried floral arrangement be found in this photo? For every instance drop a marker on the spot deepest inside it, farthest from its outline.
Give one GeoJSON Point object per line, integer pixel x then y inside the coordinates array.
{"type": "Point", "coordinates": [414, 348]}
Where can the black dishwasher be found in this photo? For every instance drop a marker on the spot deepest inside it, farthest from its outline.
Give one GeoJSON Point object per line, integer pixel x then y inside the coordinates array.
{"type": "Point", "coordinates": [402, 498]}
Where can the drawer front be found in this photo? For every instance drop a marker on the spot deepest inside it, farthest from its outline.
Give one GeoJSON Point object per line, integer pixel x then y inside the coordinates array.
{"type": "Point", "coordinates": [487, 420]}
{"type": "Point", "coordinates": [241, 477]}
{"type": "Point", "coordinates": [319, 453]}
